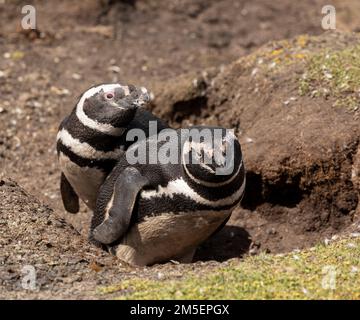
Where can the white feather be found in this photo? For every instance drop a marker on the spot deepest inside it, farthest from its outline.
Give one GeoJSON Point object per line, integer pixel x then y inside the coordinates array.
{"type": "Point", "coordinates": [180, 187]}
{"type": "Point", "coordinates": [85, 150]}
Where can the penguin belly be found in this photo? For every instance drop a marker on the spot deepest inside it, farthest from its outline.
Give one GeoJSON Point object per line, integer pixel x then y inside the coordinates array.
{"type": "Point", "coordinates": [86, 181]}
{"type": "Point", "coordinates": [168, 236]}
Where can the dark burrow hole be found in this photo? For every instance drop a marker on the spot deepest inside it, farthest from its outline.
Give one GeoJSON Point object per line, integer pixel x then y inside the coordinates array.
{"type": "Point", "coordinates": [285, 192]}
{"type": "Point", "coordinates": [280, 217]}
{"type": "Point", "coordinates": [229, 242]}
{"type": "Point", "coordinates": [182, 110]}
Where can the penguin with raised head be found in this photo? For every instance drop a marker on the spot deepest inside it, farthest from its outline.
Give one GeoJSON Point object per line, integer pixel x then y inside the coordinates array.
{"type": "Point", "coordinates": [93, 137]}
{"type": "Point", "coordinates": [149, 213]}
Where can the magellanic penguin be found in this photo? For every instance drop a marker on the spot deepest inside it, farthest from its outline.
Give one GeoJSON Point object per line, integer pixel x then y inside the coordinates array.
{"type": "Point", "coordinates": [150, 213]}
{"type": "Point", "coordinates": [93, 137]}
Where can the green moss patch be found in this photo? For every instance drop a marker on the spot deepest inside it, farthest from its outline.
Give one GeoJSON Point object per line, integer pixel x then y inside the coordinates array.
{"type": "Point", "coordinates": [334, 74]}
{"type": "Point", "coordinates": [323, 272]}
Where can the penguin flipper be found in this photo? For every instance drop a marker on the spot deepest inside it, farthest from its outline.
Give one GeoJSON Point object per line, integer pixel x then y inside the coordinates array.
{"type": "Point", "coordinates": [126, 188]}
{"type": "Point", "coordinates": [69, 197]}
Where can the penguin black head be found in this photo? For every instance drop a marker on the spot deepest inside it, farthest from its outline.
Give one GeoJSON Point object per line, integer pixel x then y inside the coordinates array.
{"type": "Point", "coordinates": [110, 106]}
{"type": "Point", "coordinates": [211, 157]}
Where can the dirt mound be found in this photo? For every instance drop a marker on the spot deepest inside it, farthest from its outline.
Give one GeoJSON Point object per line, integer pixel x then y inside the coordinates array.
{"type": "Point", "coordinates": [300, 145]}
{"type": "Point", "coordinates": [32, 235]}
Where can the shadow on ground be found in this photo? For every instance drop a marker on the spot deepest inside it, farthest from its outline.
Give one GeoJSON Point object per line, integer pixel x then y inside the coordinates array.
{"type": "Point", "coordinates": [230, 242]}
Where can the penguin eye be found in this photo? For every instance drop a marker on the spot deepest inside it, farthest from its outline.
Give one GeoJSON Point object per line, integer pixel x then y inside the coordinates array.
{"type": "Point", "coordinates": [109, 95]}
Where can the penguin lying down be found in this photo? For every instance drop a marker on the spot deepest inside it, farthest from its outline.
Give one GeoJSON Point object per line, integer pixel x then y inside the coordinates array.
{"type": "Point", "coordinates": [152, 212]}
{"type": "Point", "coordinates": [92, 138]}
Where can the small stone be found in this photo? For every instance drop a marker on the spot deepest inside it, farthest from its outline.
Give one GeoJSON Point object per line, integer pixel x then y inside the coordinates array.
{"type": "Point", "coordinates": [160, 276]}
{"type": "Point", "coordinates": [33, 104]}
{"type": "Point", "coordinates": [272, 65]}
{"type": "Point", "coordinates": [254, 72]}
{"type": "Point", "coordinates": [351, 245]}
{"type": "Point", "coordinates": [286, 102]}
{"type": "Point", "coordinates": [305, 291]}
{"type": "Point", "coordinates": [328, 75]}
{"type": "Point", "coordinates": [60, 92]}
{"type": "Point", "coordinates": [76, 76]}
{"type": "Point", "coordinates": [115, 69]}
{"type": "Point", "coordinates": [354, 269]}
{"type": "Point", "coordinates": [37, 104]}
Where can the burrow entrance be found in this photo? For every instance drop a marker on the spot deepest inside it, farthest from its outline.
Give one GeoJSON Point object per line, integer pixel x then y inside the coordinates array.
{"type": "Point", "coordinates": [283, 215]}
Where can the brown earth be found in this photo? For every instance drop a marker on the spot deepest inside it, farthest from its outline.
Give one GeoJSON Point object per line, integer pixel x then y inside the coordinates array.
{"type": "Point", "coordinates": [300, 155]}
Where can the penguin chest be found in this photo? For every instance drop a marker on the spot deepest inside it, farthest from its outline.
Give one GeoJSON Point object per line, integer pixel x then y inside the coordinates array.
{"type": "Point", "coordinates": [172, 221]}
{"type": "Point", "coordinates": [168, 236]}
{"type": "Point", "coordinates": [86, 181]}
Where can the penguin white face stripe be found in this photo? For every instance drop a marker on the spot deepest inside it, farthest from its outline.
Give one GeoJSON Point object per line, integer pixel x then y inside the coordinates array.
{"type": "Point", "coordinates": [126, 90]}
{"type": "Point", "coordinates": [91, 123]}
{"type": "Point", "coordinates": [212, 184]}
{"type": "Point", "coordinates": [180, 187]}
{"type": "Point", "coordinates": [85, 150]}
